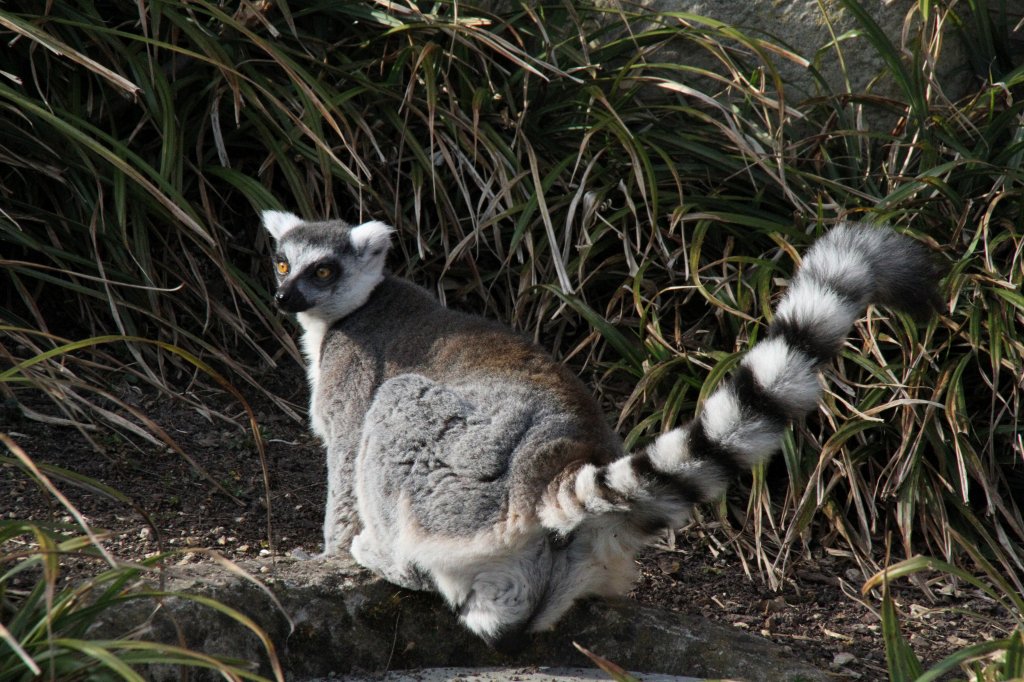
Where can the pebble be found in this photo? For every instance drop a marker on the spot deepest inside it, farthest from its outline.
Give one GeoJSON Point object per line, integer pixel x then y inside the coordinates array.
{"type": "Point", "coordinates": [841, 659]}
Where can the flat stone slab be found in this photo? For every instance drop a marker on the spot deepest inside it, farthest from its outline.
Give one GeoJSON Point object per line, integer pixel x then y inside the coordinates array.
{"type": "Point", "coordinates": [332, 618]}
{"type": "Point", "coordinates": [539, 674]}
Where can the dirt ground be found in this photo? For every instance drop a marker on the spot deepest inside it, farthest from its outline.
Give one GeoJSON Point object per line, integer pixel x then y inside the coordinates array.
{"type": "Point", "coordinates": [816, 615]}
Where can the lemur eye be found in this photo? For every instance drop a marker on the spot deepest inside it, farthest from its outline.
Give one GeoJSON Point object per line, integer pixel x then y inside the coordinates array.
{"type": "Point", "coordinates": [324, 272]}
{"type": "Point", "coordinates": [282, 267]}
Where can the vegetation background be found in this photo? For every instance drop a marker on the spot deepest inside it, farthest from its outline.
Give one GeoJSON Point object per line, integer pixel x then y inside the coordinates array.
{"type": "Point", "coordinates": [544, 166]}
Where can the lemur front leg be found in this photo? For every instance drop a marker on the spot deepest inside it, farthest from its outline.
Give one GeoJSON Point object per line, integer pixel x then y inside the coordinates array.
{"type": "Point", "coordinates": [341, 517]}
{"type": "Point", "coordinates": [338, 419]}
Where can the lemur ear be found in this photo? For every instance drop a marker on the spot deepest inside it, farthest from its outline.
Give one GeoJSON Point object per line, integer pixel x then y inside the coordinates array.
{"type": "Point", "coordinates": [371, 239]}
{"type": "Point", "coordinates": [277, 223]}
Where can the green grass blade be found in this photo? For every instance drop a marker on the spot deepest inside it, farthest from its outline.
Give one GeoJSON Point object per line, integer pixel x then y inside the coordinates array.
{"type": "Point", "coordinates": [903, 665]}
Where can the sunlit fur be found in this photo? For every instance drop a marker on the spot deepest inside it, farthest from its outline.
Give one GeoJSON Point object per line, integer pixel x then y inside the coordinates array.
{"type": "Point", "coordinates": [463, 459]}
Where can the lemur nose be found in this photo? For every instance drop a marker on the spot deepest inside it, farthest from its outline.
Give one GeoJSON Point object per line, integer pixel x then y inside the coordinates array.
{"type": "Point", "coordinates": [291, 301]}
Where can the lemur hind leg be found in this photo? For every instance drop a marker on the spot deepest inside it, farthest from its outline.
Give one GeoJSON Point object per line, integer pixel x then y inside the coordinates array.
{"type": "Point", "coordinates": [372, 555]}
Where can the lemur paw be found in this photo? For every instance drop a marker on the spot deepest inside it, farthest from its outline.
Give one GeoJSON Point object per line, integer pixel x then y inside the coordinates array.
{"type": "Point", "coordinates": [303, 555]}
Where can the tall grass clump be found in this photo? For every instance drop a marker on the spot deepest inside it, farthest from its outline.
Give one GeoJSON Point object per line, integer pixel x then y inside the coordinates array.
{"type": "Point", "coordinates": [62, 624]}
{"type": "Point", "coordinates": [549, 166]}
{"type": "Point", "coordinates": [48, 627]}
{"type": "Point", "coordinates": [993, 661]}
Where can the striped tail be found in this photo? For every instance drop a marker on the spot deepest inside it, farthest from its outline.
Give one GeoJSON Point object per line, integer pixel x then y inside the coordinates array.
{"type": "Point", "coordinates": [742, 422]}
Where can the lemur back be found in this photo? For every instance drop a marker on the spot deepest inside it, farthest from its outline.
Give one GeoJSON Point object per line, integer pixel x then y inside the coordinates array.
{"type": "Point", "coordinates": [465, 460]}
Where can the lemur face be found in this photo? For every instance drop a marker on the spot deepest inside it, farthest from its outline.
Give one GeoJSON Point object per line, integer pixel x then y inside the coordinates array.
{"type": "Point", "coordinates": [325, 269]}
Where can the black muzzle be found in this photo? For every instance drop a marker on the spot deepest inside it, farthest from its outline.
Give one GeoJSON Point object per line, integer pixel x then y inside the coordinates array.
{"type": "Point", "coordinates": [291, 300]}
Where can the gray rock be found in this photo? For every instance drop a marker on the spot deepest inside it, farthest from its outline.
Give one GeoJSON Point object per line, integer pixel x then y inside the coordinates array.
{"type": "Point", "coordinates": [807, 28]}
{"type": "Point", "coordinates": [347, 621]}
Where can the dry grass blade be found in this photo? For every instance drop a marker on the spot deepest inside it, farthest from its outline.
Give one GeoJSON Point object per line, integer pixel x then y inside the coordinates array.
{"type": "Point", "coordinates": [35, 34]}
{"type": "Point", "coordinates": [614, 671]}
{"type": "Point", "coordinates": [29, 465]}
{"type": "Point", "coordinates": [16, 647]}
{"type": "Point", "coordinates": [235, 569]}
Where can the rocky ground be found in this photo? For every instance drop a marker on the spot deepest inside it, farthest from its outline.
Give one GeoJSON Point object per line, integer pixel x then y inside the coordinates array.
{"type": "Point", "coordinates": [817, 615]}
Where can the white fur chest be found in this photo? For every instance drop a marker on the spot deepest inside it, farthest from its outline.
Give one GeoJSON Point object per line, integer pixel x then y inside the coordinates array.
{"type": "Point", "coordinates": [313, 331]}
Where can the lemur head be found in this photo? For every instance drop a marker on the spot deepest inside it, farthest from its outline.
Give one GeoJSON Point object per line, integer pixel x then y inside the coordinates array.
{"type": "Point", "coordinates": [325, 269]}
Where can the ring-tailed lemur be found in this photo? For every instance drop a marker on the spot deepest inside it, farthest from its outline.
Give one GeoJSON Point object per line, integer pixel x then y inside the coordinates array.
{"type": "Point", "coordinates": [463, 459]}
